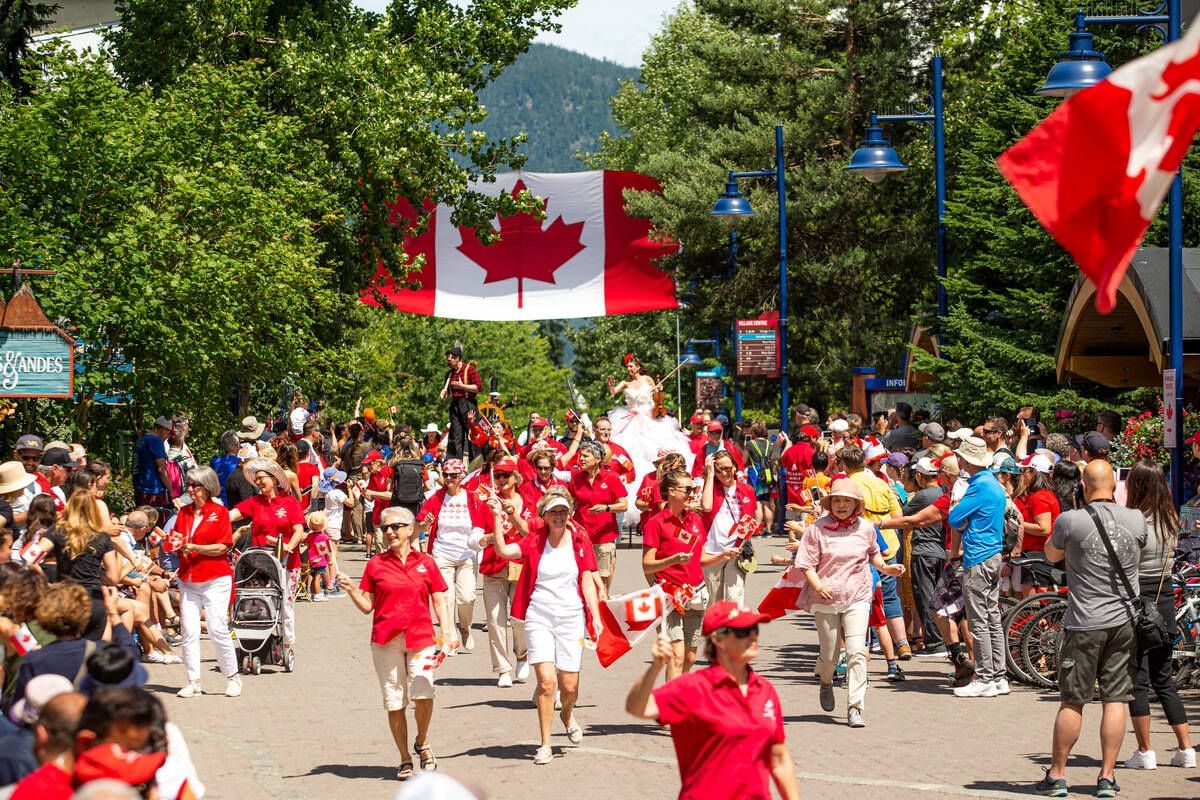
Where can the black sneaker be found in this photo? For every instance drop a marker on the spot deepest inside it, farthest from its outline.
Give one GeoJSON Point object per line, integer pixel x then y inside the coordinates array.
{"type": "Point", "coordinates": [1107, 787]}
{"type": "Point", "coordinates": [964, 670]}
{"type": "Point", "coordinates": [895, 674]}
{"type": "Point", "coordinates": [1051, 787]}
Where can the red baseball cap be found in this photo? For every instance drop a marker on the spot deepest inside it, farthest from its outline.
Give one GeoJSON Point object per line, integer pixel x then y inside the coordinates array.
{"type": "Point", "coordinates": [116, 763]}
{"type": "Point", "coordinates": [374, 455]}
{"type": "Point", "coordinates": [715, 426]}
{"type": "Point", "coordinates": [811, 431]}
{"type": "Point", "coordinates": [1195, 437]}
{"type": "Point", "coordinates": [540, 422]}
{"type": "Point", "coordinates": [697, 419]}
{"type": "Point", "coordinates": [505, 465]}
{"type": "Point", "coordinates": [728, 614]}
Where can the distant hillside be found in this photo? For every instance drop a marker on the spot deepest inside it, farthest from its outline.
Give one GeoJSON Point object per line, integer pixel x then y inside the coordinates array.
{"type": "Point", "coordinates": [559, 98]}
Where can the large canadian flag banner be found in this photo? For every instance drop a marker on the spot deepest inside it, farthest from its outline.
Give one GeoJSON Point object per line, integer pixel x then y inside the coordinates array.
{"type": "Point", "coordinates": [785, 594]}
{"type": "Point", "coordinates": [626, 619]}
{"type": "Point", "coordinates": [1096, 170]}
{"type": "Point", "coordinates": [587, 258]}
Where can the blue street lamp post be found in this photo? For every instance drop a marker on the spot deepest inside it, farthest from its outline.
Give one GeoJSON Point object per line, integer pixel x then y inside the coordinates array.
{"type": "Point", "coordinates": [1082, 67]}
{"type": "Point", "coordinates": [731, 207]}
{"type": "Point", "coordinates": [875, 158]}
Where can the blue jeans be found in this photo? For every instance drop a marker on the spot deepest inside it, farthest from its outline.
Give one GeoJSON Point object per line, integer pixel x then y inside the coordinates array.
{"type": "Point", "coordinates": [891, 599]}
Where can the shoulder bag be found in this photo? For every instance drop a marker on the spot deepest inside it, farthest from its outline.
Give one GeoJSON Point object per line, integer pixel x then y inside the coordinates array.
{"type": "Point", "coordinates": [1148, 624]}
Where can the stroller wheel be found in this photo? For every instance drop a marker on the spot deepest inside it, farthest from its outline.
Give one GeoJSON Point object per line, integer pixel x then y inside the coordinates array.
{"type": "Point", "coordinates": [246, 664]}
{"type": "Point", "coordinates": [256, 665]}
{"type": "Point", "coordinates": [289, 660]}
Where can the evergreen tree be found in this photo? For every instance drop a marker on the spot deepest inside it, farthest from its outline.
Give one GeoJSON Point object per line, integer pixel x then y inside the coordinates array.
{"type": "Point", "coordinates": [20, 21]}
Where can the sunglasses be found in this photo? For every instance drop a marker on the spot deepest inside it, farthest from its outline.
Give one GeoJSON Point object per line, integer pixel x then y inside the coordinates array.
{"type": "Point", "coordinates": [31, 457]}
{"type": "Point", "coordinates": [741, 633]}
{"type": "Point", "coordinates": [451, 476]}
{"type": "Point", "coordinates": [687, 488]}
{"type": "Point", "coordinates": [503, 475]}
{"type": "Point", "coordinates": [395, 526]}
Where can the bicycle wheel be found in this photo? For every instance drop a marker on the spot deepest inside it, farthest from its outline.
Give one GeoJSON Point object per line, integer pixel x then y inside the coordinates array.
{"type": "Point", "coordinates": [1014, 621]}
{"type": "Point", "coordinates": [1040, 642]}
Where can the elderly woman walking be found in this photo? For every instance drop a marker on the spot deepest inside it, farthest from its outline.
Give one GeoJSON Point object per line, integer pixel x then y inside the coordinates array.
{"type": "Point", "coordinates": [600, 497]}
{"type": "Point", "coordinates": [276, 519]}
{"type": "Point", "coordinates": [556, 597]}
{"type": "Point", "coordinates": [836, 553]}
{"type": "Point", "coordinates": [205, 580]}
{"type": "Point", "coordinates": [398, 588]}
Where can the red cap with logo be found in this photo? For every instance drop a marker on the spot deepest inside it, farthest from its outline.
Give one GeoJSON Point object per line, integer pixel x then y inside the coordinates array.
{"type": "Point", "coordinates": [697, 419]}
{"type": "Point", "coordinates": [730, 614]}
{"type": "Point", "coordinates": [374, 455]}
{"type": "Point", "coordinates": [505, 465]}
{"type": "Point", "coordinates": [715, 426]}
{"type": "Point", "coordinates": [116, 763]}
{"type": "Point", "coordinates": [538, 423]}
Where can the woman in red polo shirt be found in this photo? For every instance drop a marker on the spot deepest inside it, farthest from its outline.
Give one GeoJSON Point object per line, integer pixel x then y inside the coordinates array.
{"type": "Point", "coordinates": [648, 500]}
{"type": "Point", "coordinates": [205, 580]}
{"type": "Point", "coordinates": [556, 596]}
{"type": "Point", "coordinates": [275, 517]}
{"type": "Point", "coordinates": [1039, 507]}
{"type": "Point", "coordinates": [398, 588]}
{"type": "Point", "coordinates": [500, 577]}
{"type": "Point", "coordinates": [726, 721]}
{"type": "Point", "coordinates": [671, 546]}
{"type": "Point", "coordinates": [599, 497]}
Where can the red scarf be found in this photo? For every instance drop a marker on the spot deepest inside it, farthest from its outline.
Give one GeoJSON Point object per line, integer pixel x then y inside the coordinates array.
{"type": "Point", "coordinates": [835, 524]}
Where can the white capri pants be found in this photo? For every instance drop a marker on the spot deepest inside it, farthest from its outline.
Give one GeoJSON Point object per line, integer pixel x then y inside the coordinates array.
{"type": "Point", "coordinates": [213, 597]}
{"type": "Point", "coordinates": [555, 639]}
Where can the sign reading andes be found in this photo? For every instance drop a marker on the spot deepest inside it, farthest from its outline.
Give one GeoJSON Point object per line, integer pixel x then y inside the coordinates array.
{"type": "Point", "coordinates": [37, 359]}
{"type": "Point", "coordinates": [758, 345]}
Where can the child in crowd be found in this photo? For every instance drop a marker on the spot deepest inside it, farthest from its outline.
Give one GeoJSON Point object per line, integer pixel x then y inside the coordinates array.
{"type": "Point", "coordinates": [318, 557]}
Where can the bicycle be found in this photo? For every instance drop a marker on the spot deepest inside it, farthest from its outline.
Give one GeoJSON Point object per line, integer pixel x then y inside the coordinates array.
{"type": "Point", "coordinates": [1022, 613]}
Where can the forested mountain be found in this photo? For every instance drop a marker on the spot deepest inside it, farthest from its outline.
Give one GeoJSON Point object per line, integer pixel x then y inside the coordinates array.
{"type": "Point", "coordinates": [559, 98]}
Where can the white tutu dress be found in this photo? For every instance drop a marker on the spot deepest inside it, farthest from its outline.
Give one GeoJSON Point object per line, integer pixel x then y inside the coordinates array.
{"type": "Point", "coordinates": [636, 429]}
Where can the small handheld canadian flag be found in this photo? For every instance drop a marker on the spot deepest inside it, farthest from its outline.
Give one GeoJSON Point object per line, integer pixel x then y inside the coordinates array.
{"type": "Point", "coordinates": [23, 642]}
{"type": "Point", "coordinates": [625, 620]}
{"type": "Point", "coordinates": [32, 553]}
{"type": "Point", "coordinates": [744, 528]}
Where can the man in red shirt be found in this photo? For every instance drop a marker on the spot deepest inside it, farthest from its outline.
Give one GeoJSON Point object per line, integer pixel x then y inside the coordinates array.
{"type": "Point", "coordinates": [462, 384]}
{"type": "Point", "coordinates": [697, 436]}
{"type": "Point", "coordinates": [797, 461]}
{"type": "Point", "coordinates": [726, 720]}
{"type": "Point", "coordinates": [619, 462]}
{"type": "Point", "coordinates": [379, 486]}
{"type": "Point", "coordinates": [715, 442]}
{"type": "Point", "coordinates": [53, 747]}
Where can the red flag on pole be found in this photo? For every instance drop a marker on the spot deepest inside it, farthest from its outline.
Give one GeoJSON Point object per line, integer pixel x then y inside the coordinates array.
{"type": "Point", "coordinates": [1096, 170]}
{"type": "Point", "coordinates": [785, 594]}
{"type": "Point", "coordinates": [587, 258]}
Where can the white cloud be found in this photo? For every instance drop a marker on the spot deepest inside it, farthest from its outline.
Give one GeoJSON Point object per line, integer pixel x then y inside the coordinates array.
{"type": "Point", "coordinates": [618, 30]}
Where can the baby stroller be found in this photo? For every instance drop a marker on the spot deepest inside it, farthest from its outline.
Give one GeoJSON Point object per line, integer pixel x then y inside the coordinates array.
{"type": "Point", "coordinates": [260, 583]}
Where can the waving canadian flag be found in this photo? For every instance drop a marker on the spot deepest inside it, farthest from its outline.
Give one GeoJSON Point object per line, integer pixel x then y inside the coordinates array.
{"type": "Point", "coordinates": [587, 258]}
{"type": "Point", "coordinates": [626, 620]}
{"type": "Point", "coordinates": [784, 596]}
{"type": "Point", "coordinates": [1096, 170]}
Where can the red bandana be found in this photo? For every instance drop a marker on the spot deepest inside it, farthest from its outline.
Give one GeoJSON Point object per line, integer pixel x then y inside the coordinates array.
{"type": "Point", "coordinates": [838, 524]}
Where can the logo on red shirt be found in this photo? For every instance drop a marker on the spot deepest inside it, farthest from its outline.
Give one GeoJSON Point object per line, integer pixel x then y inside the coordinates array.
{"type": "Point", "coordinates": [421, 569]}
{"type": "Point", "coordinates": [769, 710]}
{"type": "Point", "coordinates": [280, 513]}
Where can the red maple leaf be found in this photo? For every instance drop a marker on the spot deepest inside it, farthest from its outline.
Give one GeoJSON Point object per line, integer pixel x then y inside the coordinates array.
{"type": "Point", "coordinates": [525, 250]}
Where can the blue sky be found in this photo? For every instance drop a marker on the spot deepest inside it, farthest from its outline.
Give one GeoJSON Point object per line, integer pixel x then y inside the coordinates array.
{"type": "Point", "coordinates": [618, 30]}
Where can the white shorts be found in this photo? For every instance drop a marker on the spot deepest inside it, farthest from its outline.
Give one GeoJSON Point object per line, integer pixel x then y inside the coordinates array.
{"type": "Point", "coordinates": [555, 641]}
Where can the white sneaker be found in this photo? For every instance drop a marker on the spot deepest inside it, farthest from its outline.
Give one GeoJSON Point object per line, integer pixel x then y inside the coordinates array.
{"type": "Point", "coordinates": [191, 690]}
{"type": "Point", "coordinates": [557, 700]}
{"type": "Point", "coordinates": [976, 688]}
{"type": "Point", "coordinates": [1002, 687]}
{"type": "Point", "coordinates": [1142, 760]}
{"type": "Point", "coordinates": [505, 681]}
{"type": "Point", "coordinates": [154, 657]}
{"type": "Point", "coordinates": [469, 642]}
{"type": "Point", "coordinates": [544, 755]}
{"type": "Point", "coordinates": [1184, 758]}
{"type": "Point", "coordinates": [234, 687]}
{"type": "Point", "coordinates": [574, 731]}
{"type": "Point", "coordinates": [171, 658]}
{"type": "Point", "coordinates": [522, 671]}
{"type": "Point", "coordinates": [319, 598]}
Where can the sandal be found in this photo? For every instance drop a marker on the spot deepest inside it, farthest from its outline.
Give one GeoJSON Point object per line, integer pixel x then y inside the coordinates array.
{"type": "Point", "coordinates": [428, 761]}
{"type": "Point", "coordinates": [405, 771]}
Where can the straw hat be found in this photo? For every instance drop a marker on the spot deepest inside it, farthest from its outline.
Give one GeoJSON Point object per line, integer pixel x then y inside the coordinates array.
{"type": "Point", "coordinates": [844, 487]}
{"type": "Point", "coordinates": [256, 465]}
{"type": "Point", "coordinates": [13, 477]}
{"type": "Point", "coordinates": [974, 451]}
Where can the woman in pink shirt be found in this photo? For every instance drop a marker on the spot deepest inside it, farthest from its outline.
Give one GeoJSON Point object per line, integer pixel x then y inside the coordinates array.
{"type": "Point", "coordinates": [836, 554]}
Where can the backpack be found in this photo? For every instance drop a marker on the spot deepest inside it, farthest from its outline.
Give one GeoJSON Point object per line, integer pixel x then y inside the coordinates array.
{"type": "Point", "coordinates": [408, 484]}
{"type": "Point", "coordinates": [174, 478]}
{"type": "Point", "coordinates": [759, 474]}
{"type": "Point", "coordinates": [1012, 525]}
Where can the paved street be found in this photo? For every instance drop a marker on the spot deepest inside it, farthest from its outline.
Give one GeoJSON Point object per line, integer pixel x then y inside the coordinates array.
{"type": "Point", "coordinates": [321, 732]}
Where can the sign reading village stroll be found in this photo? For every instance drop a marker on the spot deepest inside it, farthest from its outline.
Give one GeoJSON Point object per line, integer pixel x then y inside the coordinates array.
{"type": "Point", "coordinates": [37, 359]}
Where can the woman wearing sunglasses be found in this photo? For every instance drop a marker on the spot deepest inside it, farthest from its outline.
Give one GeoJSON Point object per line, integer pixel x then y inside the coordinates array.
{"type": "Point", "coordinates": [451, 516]}
{"type": "Point", "coordinates": [500, 576]}
{"type": "Point", "coordinates": [837, 553]}
{"type": "Point", "coordinates": [398, 587]}
{"type": "Point", "coordinates": [556, 596]}
{"type": "Point", "coordinates": [726, 720]}
{"type": "Point", "coordinates": [205, 580]}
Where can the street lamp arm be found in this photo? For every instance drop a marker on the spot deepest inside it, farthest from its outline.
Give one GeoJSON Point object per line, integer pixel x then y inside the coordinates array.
{"type": "Point", "coordinates": [758, 173]}
{"type": "Point", "coordinates": [926, 117]}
